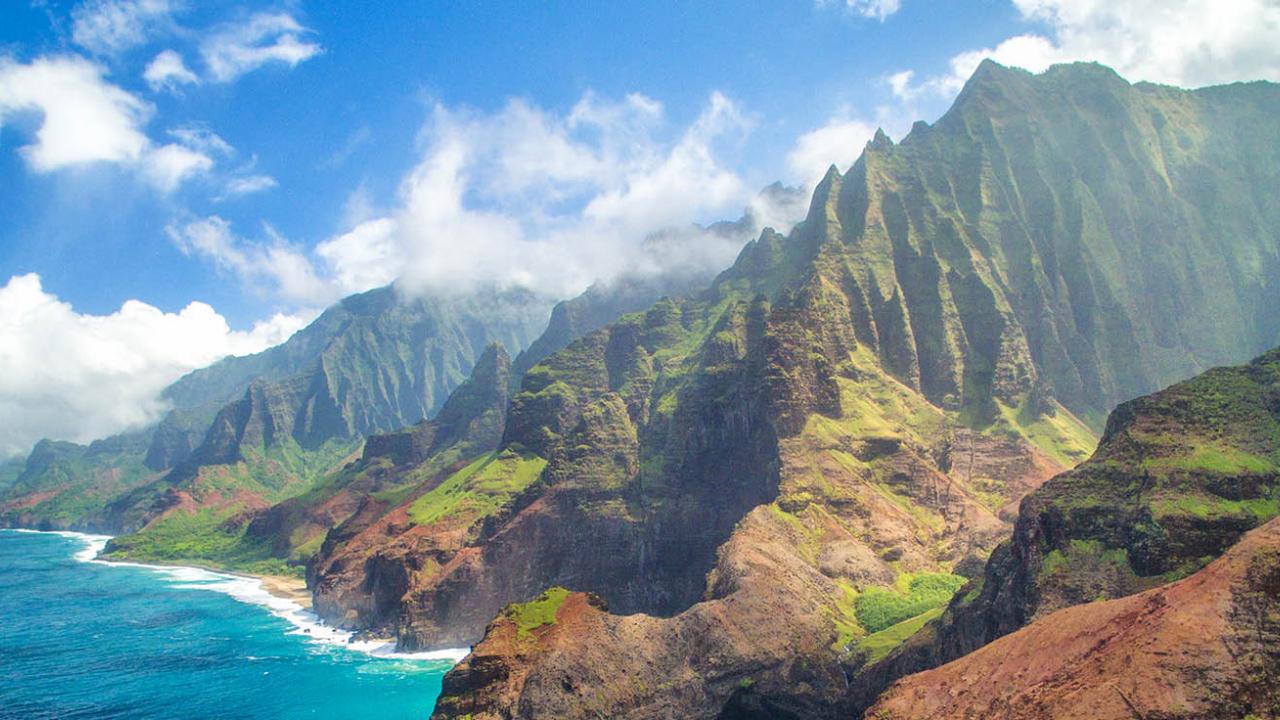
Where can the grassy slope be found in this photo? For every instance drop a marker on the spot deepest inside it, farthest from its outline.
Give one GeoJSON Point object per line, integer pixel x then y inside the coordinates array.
{"type": "Point", "coordinates": [211, 529]}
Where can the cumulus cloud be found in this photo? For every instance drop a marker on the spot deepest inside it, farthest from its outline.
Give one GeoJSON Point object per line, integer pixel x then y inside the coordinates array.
{"type": "Point", "coordinates": [525, 197]}
{"type": "Point", "coordinates": [112, 26]}
{"type": "Point", "coordinates": [367, 256]}
{"type": "Point", "coordinates": [168, 71]}
{"type": "Point", "coordinates": [79, 377]}
{"type": "Point", "coordinates": [235, 49]}
{"type": "Point", "coordinates": [167, 166]}
{"type": "Point", "coordinates": [554, 202]}
{"type": "Point", "coordinates": [85, 119]}
{"type": "Point", "coordinates": [838, 143]}
{"type": "Point", "coordinates": [1189, 43]}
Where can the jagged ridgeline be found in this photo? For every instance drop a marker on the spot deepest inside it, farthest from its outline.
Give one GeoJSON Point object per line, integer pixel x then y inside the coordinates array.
{"type": "Point", "coordinates": [790, 474]}
{"type": "Point", "coordinates": [255, 426]}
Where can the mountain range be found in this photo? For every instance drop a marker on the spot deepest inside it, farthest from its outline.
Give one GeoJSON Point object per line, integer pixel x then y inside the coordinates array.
{"type": "Point", "coordinates": [950, 408]}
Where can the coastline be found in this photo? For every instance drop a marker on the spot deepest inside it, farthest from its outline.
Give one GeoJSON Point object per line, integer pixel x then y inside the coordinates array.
{"type": "Point", "coordinates": [284, 587]}
{"type": "Point", "coordinates": [282, 596]}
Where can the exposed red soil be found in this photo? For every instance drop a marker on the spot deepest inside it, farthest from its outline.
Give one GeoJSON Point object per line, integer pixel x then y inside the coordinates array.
{"type": "Point", "coordinates": [1201, 647]}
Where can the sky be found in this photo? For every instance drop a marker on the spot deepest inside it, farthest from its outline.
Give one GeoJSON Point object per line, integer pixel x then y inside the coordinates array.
{"type": "Point", "coordinates": [183, 180]}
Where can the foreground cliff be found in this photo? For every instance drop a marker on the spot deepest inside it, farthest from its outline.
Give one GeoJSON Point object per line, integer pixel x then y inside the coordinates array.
{"type": "Point", "coordinates": [1178, 477]}
{"type": "Point", "coordinates": [1206, 646]}
{"type": "Point", "coordinates": [772, 486]}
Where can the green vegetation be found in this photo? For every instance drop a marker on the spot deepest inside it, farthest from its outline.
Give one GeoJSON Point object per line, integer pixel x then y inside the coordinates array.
{"type": "Point", "coordinates": [846, 617]}
{"type": "Point", "coordinates": [879, 644]}
{"type": "Point", "coordinates": [538, 612]}
{"type": "Point", "coordinates": [200, 538]}
{"type": "Point", "coordinates": [480, 489]}
{"type": "Point", "coordinates": [875, 406]}
{"type": "Point", "coordinates": [878, 608]}
{"type": "Point", "coordinates": [62, 483]}
{"type": "Point", "coordinates": [1060, 434]}
{"type": "Point", "coordinates": [1207, 507]}
{"type": "Point", "coordinates": [1220, 459]}
{"type": "Point", "coordinates": [1084, 553]}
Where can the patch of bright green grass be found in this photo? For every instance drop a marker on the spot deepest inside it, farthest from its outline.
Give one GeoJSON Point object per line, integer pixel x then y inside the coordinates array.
{"type": "Point", "coordinates": [1062, 436]}
{"type": "Point", "coordinates": [200, 538]}
{"type": "Point", "coordinates": [1215, 459]}
{"type": "Point", "coordinates": [879, 644]}
{"type": "Point", "coordinates": [480, 489]}
{"type": "Point", "coordinates": [845, 617]}
{"type": "Point", "coordinates": [878, 608]}
{"type": "Point", "coordinates": [1206, 507]}
{"type": "Point", "coordinates": [537, 612]}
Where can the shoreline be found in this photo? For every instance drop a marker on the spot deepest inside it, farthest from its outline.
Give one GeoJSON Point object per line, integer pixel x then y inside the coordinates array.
{"type": "Point", "coordinates": [281, 596]}
{"type": "Point", "coordinates": [284, 587]}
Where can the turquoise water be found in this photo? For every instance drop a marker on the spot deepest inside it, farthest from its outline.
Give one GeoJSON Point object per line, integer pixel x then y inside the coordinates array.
{"type": "Point", "coordinates": [87, 640]}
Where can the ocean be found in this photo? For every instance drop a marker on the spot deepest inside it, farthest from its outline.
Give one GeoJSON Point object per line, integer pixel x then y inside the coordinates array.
{"type": "Point", "coordinates": [83, 639]}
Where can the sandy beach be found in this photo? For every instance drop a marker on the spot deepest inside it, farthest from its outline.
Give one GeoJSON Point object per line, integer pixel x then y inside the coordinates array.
{"type": "Point", "coordinates": [289, 588]}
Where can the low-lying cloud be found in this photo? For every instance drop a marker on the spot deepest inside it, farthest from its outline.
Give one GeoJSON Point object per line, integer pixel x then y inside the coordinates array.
{"type": "Point", "coordinates": [525, 197]}
{"type": "Point", "coordinates": [70, 376]}
{"type": "Point", "coordinates": [1189, 43]}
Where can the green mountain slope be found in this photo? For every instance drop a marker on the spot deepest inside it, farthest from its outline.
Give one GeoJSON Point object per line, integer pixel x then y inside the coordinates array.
{"type": "Point", "coordinates": [785, 475]}
{"type": "Point", "coordinates": [279, 535]}
{"type": "Point", "coordinates": [1178, 478]}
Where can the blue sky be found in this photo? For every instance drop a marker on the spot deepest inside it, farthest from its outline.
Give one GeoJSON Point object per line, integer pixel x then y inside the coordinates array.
{"type": "Point", "coordinates": [180, 180]}
{"type": "Point", "coordinates": [350, 116]}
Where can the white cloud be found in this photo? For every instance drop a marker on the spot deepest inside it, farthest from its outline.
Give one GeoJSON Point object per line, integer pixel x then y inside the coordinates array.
{"type": "Point", "coordinates": [524, 197]}
{"type": "Point", "coordinates": [202, 139]}
{"type": "Point", "coordinates": [167, 71]}
{"type": "Point", "coordinates": [878, 9]}
{"type": "Point", "coordinates": [236, 49]}
{"type": "Point", "coordinates": [367, 256]}
{"type": "Point", "coordinates": [167, 166]}
{"type": "Point", "coordinates": [249, 185]}
{"type": "Point", "coordinates": [79, 377]}
{"type": "Point", "coordinates": [484, 205]}
{"type": "Point", "coordinates": [838, 143]}
{"type": "Point", "coordinates": [1190, 43]}
{"type": "Point", "coordinates": [85, 118]}
{"type": "Point", "coordinates": [111, 26]}
{"type": "Point", "coordinates": [274, 266]}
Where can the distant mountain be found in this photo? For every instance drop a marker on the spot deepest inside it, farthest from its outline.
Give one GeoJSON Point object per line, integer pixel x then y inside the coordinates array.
{"type": "Point", "coordinates": [773, 484]}
{"type": "Point", "coordinates": [282, 526]}
{"type": "Point", "coordinates": [376, 362]}
{"type": "Point", "coordinates": [267, 423]}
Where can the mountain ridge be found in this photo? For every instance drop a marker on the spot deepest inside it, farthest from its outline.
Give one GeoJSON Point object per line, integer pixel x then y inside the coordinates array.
{"type": "Point", "coordinates": [829, 387]}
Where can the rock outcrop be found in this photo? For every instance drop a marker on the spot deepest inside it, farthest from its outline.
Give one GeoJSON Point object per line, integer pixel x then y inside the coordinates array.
{"type": "Point", "coordinates": [1204, 646]}
{"type": "Point", "coordinates": [1178, 477]}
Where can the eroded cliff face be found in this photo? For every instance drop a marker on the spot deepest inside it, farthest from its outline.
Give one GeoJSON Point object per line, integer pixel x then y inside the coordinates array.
{"type": "Point", "coordinates": [1178, 477]}
{"type": "Point", "coordinates": [783, 488]}
{"type": "Point", "coordinates": [1205, 646]}
{"type": "Point", "coordinates": [845, 421]}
